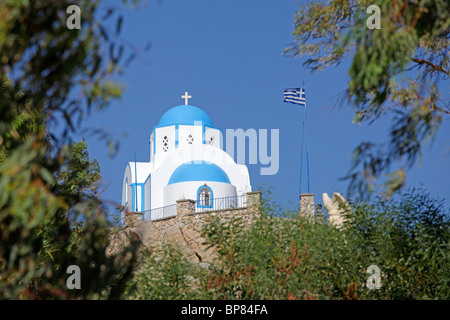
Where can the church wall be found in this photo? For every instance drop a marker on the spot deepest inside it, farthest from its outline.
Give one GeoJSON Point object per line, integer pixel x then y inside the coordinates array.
{"type": "Point", "coordinates": [216, 136]}
{"type": "Point", "coordinates": [129, 205]}
{"type": "Point", "coordinates": [152, 145]}
{"type": "Point", "coordinates": [133, 196]}
{"type": "Point", "coordinates": [138, 197]}
{"type": "Point", "coordinates": [160, 133]}
{"type": "Point", "coordinates": [126, 195]}
{"type": "Point", "coordinates": [188, 190]}
{"type": "Point", "coordinates": [244, 179]}
{"type": "Point", "coordinates": [163, 170]}
{"type": "Point", "coordinates": [147, 190]}
{"type": "Point", "coordinates": [184, 131]}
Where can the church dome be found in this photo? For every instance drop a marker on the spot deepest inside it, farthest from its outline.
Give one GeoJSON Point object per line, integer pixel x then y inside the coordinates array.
{"type": "Point", "coordinates": [184, 115]}
{"type": "Point", "coordinates": [201, 171]}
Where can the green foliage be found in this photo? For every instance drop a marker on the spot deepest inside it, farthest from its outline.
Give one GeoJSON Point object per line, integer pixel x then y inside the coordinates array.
{"type": "Point", "coordinates": [79, 177]}
{"type": "Point", "coordinates": [292, 258]}
{"type": "Point", "coordinates": [18, 119]}
{"type": "Point", "coordinates": [401, 70]}
{"type": "Point", "coordinates": [50, 78]}
{"type": "Point", "coordinates": [38, 243]}
{"type": "Point", "coordinates": [165, 274]}
{"type": "Point", "coordinates": [63, 74]}
{"type": "Point", "coordinates": [409, 241]}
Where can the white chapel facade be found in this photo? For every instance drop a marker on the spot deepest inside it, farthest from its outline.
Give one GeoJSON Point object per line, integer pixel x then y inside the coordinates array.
{"type": "Point", "coordinates": [186, 162]}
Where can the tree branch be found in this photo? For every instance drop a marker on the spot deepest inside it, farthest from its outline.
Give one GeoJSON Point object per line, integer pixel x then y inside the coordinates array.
{"type": "Point", "coordinates": [435, 67]}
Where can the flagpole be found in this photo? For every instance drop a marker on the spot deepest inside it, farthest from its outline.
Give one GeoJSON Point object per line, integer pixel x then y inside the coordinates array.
{"type": "Point", "coordinates": [301, 159]}
{"type": "Point", "coordinates": [135, 183]}
{"type": "Point", "coordinates": [298, 96]}
{"type": "Point", "coordinates": [307, 149]}
{"type": "Point", "coordinates": [306, 133]}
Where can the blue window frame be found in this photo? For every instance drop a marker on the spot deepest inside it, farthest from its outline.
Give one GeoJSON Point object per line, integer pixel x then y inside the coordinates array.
{"type": "Point", "coordinates": [205, 197]}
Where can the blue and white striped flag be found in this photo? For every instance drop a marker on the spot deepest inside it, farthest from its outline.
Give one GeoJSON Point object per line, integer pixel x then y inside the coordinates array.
{"type": "Point", "coordinates": [295, 96]}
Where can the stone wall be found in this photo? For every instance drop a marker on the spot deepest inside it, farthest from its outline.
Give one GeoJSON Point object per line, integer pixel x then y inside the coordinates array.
{"type": "Point", "coordinates": [186, 227]}
{"type": "Point", "coordinates": [306, 205]}
{"type": "Point", "coordinates": [185, 206]}
{"type": "Point", "coordinates": [131, 218]}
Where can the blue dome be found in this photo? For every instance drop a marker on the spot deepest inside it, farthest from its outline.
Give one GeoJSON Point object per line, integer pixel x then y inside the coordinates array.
{"type": "Point", "coordinates": [202, 171]}
{"type": "Point", "coordinates": [184, 114]}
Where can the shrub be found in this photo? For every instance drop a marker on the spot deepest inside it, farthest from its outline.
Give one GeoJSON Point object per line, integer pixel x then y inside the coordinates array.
{"type": "Point", "coordinates": [286, 257]}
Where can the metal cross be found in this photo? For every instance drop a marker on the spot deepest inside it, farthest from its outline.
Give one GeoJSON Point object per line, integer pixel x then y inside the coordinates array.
{"type": "Point", "coordinates": [186, 97]}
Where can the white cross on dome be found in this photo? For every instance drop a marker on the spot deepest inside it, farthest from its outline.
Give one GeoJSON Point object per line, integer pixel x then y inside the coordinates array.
{"type": "Point", "coordinates": [186, 97]}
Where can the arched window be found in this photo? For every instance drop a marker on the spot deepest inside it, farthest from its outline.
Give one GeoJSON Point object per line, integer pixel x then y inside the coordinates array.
{"type": "Point", "coordinates": [204, 197]}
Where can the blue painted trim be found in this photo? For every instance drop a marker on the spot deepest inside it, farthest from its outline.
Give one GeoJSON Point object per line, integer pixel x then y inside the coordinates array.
{"type": "Point", "coordinates": [198, 197]}
{"type": "Point", "coordinates": [184, 124]}
{"type": "Point", "coordinates": [203, 171]}
{"type": "Point", "coordinates": [184, 113]}
{"type": "Point", "coordinates": [177, 135]}
{"type": "Point", "coordinates": [203, 133]}
{"type": "Point", "coordinates": [133, 204]}
{"type": "Point", "coordinates": [147, 178]}
{"type": "Point", "coordinates": [128, 165]}
{"type": "Point", "coordinates": [154, 141]}
{"type": "Point", "coordinates": [134, 188]}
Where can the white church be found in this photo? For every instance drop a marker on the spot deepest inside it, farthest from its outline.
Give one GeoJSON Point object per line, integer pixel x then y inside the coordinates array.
{"type": "Point", "coordinates": [186, 162]}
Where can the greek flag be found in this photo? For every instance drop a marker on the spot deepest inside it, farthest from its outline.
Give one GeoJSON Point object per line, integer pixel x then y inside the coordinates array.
{"type": "Point", "coordinates": [295, 96]}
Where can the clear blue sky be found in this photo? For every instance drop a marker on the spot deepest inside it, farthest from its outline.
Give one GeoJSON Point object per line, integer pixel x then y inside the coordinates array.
{"type": "Point", "coordinates": [227, 55]}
